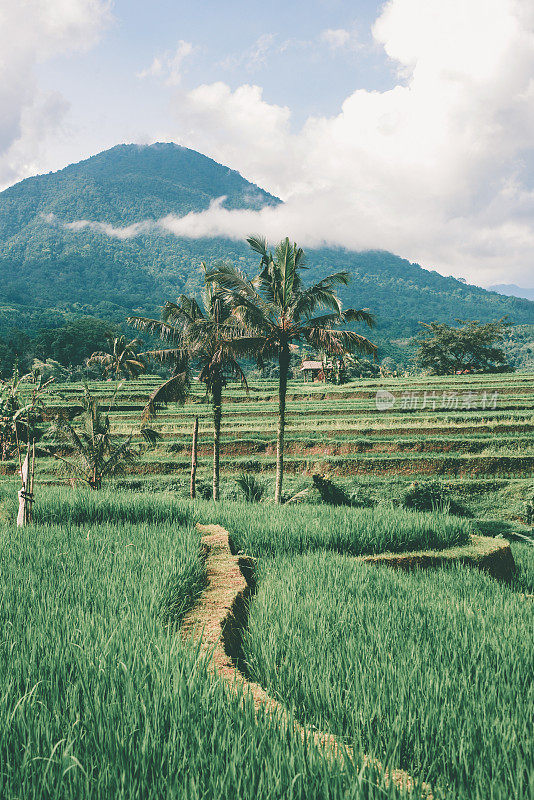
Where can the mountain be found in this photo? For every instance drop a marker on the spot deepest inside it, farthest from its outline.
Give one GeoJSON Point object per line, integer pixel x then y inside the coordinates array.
{"type": "Point", "coordinates": [50, 273]}
{"type": "Point", "coordinates": [512, 290]}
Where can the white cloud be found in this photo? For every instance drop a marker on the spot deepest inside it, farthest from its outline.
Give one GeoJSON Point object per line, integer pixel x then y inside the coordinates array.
{"type": "Point", "coordinates": [254, 56]}
{"type": "Point", "coordinates": [126, 232]}
{"type": "Point", "coordinates": [168, 66]}
{"type": "Point", "coordinates": [269, 45]}
{"type": "Point", "coordinates": [31, 32]}
{"type": "Point", "coordinates": [247, 123]}
{"type": "Point", "coordinates": [436, 168]}
{"type": "Point", "coordinates": [336, 38]}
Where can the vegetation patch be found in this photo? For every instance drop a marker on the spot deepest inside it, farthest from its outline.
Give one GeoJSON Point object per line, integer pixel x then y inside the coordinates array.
{"type": "Point", "coordinates": [262, 529]}
{"type": "Point", "coordinates": [86, 507]}
{"type": "Point", "coordinates": [494, 556]}
{"type": "Point", "coordinates": [421, 668]}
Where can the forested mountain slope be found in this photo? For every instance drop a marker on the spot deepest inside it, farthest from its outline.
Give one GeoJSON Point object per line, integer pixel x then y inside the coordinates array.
{"type": "Point", "coordinates": [48, 270]}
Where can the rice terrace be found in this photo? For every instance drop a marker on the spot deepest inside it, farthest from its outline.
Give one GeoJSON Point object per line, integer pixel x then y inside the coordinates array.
{"type": "Point", "coordinates": [423, 676]}
{"type": "Point", "coordinates": [267, 400]}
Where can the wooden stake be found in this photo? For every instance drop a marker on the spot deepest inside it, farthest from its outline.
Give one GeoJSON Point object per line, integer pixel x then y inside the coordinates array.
{"type": "Point", "coordinates": [18, 451]}
{"type": "Point", "coordinates": [22, 517]}
{"type": "Point", "coordinates": [194, 447]}
{"type": "Point", "coordinates": [32, 473]}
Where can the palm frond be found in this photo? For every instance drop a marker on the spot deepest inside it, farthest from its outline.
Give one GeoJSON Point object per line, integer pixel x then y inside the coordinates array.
{"type": "Point", "coordinates": [134, 366]}
{"type": "Point", "coordinates": [150, 435]}
{"type": "Point", "coordinates": [312, 298]}
{"type": "Point", "coordinates": [300, 257]}
{"type": "Point", "coordinates": [72, 466]}
{"type": "Point", "coordinates": [266, 284]}
{"type": "Point", "coordinates": [335, 279]}
{"type": "Point", "coordinates": [154, 326]}
{"type": "Point", "coordinates": [186, 310]}
{"type": "Point", "coordinates": [259, 245]}
{"type": "Point", "coordinates": [239, 293]}
{"type": "Point", "coordinates": [99, 358]}
{"type": "Point", "coordinates": [228, 277]}
{"type": "Point", "coordinates": [359, 315]}
{"type": "Point", "coordinates": [173, 390]}
{"type": "Point", "coordinates": [284, 259]}
{"type": "Point", "coordinates": [337, 342]}
{"type": "Point", "coordinates": [119, 455]}
{"type": "Point", "coordinates": [173, 354]}
{"type": "Point", "coordinates": [253, 318]}
{"type": "Point", "coordinates": [247, 346]}
{"type": "Point", "coordinates": [232, 366]}
{"type": "Point", "coordinates": [323, 321]}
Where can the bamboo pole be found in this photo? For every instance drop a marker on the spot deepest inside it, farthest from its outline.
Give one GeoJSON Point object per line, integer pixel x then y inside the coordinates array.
{"type": "Point", "coordinates": [18, 451]}
{"type": "Point", "coordinates": [194, 447]}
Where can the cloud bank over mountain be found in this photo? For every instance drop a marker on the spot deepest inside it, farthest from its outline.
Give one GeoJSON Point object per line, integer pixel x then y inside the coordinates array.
{"type": "Point", "coordinates": [438, 168]}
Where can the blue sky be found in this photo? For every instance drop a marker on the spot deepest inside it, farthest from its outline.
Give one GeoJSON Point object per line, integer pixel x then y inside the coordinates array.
{"type": "Point", "coordinates": [299, 69]}
{"type": "Point", "coordinates": [406, 125]}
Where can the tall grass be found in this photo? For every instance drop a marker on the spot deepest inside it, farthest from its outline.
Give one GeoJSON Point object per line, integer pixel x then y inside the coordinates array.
{"type": "Point", "coordinates": [98, 697]}
{"type": "Point", "coordinates": [428, 671]}
{"type": "Point", "coordinates": [82, 507]}
{"type": "Point", "coordinates": [264, 529]}
{"type": "Point", "coordinates": [524, 559]}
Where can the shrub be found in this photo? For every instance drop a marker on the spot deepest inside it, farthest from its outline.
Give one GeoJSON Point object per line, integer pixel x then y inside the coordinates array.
{"type": "Point", "coordinates": [252, 489]}
{"type": "Point", "coordinates": [431, 496]}
{"type": "Point", "coordinates": [330, 493]}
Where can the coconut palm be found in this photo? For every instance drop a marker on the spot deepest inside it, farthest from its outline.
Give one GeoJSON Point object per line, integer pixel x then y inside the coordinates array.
{"type": "Point", "coordinates": [89, 437]}
{"type": "Point", "coordinates": [207, 334]}
{"type": "Point", "coordinates": [278, 311]}
{"type": "Point", "coordinates": [123, 360]}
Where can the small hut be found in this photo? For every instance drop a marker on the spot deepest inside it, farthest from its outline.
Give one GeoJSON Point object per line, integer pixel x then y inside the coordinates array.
{"type": "Point", "coordinates": [313, 371]}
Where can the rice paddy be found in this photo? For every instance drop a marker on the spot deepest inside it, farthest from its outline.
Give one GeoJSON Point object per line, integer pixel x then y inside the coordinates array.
{"type": "Point", "coordinates": [429, 671]}
{"type": "Point", "coordinates": [100, 699]}
{"type": "Point", "coordinates": [426, 671]}
{"type": "Point", "coordinates": [459, 426]}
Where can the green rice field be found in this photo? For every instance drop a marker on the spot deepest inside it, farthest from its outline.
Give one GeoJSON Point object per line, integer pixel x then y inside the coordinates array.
{"type": "Point", "coordinates": [473, 433]}
{"type": "Point", "coordinates": [430, 671]}
{"type": "Point", "coordinates": [460, 426]}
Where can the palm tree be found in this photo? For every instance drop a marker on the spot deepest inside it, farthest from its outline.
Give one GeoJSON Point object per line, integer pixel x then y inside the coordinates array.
{"type": "Point", "coordinates": [277, 312]}
{"type": "Point", "coordinates": [123, 360]}
{"type": "Point", "coordinates": [207, 334]}
{"type": "Point", "coordinates": [96, 454]}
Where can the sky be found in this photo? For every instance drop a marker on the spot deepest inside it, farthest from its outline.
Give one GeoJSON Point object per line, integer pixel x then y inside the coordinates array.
{"type": "Point", "coordinates": [406, 126]}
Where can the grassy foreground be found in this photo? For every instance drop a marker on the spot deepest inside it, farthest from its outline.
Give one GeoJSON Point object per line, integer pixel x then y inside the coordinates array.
{"type": "Point", "coordinates": [428, 671]}
{"type": "Point", "coordinates": [100, 699]}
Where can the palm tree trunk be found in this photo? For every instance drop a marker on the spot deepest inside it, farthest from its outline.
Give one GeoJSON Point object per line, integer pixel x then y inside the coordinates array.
{"type": "Point", "coordinates": [193, 487]}
{"type": "Point", "coordinates": [283, 361]}
{"type": "Point", "coordinates": [217, 413]}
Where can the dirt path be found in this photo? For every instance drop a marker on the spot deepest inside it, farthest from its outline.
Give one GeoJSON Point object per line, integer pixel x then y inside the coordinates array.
{"type": "Point", "coordinates": [219, 618]}
{"type": "Point", "coordinates": [217, 623]}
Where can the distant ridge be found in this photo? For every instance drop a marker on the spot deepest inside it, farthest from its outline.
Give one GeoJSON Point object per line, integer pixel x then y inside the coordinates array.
{"type": "Point", "coordinates": [511, 290]}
